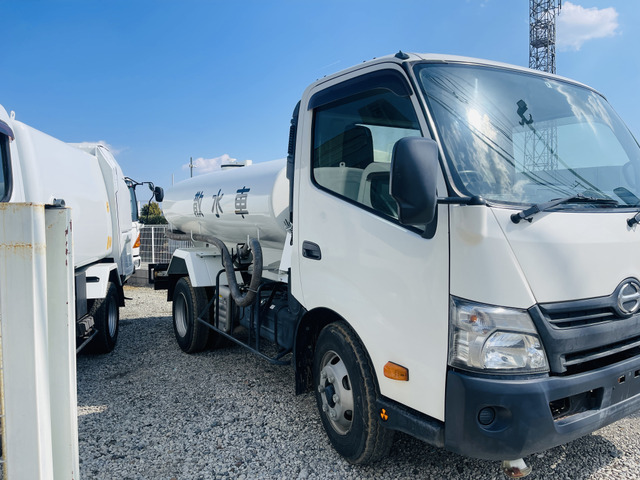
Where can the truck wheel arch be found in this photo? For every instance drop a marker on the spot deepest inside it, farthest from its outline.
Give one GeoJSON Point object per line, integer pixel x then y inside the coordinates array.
{"type": "Point", "coordinates": [98, 277]}
{"type": "Point", "coordinates": [307, 333]}
{"type": "Point", "coordinates": [176, 270]}
{"type": "Point", "coordinates": [116, 280]}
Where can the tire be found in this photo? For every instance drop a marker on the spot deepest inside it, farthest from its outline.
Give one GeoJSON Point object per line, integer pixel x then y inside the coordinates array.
{"type": "Point", "coordinates": [189, 302]}
{"type": "Point", "coordinates": [106, 318]}
{"type": "Point", "coordinates": [346, 396]}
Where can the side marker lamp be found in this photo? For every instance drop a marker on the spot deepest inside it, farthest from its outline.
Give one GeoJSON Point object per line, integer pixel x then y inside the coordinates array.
{"type": "Point", "coordinates": [396, 372]}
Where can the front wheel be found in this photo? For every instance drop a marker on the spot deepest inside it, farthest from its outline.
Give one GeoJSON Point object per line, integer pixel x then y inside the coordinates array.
{"type": "Point", "coordinates": [346, 396]}
{"type": "Point", "coordinates": [106, 318]}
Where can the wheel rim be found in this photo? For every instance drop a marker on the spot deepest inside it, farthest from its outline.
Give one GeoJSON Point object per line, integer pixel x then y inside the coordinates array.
{"type": "Point", "coordinates": [180, 314]}
{"type": "Point", "coordinates": [335, 391]}
{"type": "Point", "coordinates": [112, 318]}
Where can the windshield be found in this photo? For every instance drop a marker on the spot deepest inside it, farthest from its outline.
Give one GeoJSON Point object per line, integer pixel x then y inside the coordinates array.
{"type": "Point", "coordinates": [516, 137]}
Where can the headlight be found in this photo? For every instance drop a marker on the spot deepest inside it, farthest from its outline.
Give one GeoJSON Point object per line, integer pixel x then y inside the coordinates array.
{"type": "Point", "coordinates": [494, 339]}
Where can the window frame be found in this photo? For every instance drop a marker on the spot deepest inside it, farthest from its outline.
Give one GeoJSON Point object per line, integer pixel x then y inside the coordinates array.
{"type": "Point", "coordinates": [366, 84]}
{"type": "Point", "coordinates": [5, 156]}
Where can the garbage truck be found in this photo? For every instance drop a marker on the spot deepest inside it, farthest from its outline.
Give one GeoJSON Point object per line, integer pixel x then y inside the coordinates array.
{"type": "Point", "coordinates": [37, 168]}
{"type": "Point", "coordinates": [450, 249]}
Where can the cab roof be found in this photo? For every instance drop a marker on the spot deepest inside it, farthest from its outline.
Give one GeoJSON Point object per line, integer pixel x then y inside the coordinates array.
{"type": "Point", "coordinates": [403, 57]}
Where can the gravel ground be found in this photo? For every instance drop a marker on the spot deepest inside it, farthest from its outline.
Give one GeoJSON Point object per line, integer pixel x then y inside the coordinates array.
{"type": "Point", "coordinates": [149, 411]}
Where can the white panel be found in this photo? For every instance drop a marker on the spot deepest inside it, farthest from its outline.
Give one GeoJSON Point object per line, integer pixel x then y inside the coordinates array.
{"type": "Point", "coordinates": [23, 310]}
{"type": "Point", "coordinates": [483, 266]}
{"type": "Point", "coordinates": [100, 271]}
{"type": "Point", "coordinates": [62, 344]}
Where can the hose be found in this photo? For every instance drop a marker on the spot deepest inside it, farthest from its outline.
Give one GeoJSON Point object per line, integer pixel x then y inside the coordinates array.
{"type": "Point", "coordinates": [241, 299]}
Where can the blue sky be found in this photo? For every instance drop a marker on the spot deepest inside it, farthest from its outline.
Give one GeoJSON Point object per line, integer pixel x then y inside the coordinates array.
{"type": "Point", "coordinates": [162, 81]}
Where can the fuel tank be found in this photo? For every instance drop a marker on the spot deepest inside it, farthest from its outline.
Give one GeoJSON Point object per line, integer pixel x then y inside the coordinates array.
{"type": "Point", "coordinates": [233, 204]}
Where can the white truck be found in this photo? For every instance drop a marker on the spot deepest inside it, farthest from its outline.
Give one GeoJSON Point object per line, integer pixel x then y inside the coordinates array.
{"type": "Point", "coordinates": [451, 250]}
{"type": "Point", "coordinates": [37, 168]}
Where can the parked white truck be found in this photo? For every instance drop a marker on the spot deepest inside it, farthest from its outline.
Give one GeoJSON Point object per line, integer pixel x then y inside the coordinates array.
{"type": "Point", "coordinates": [451, 250]}
{"type": "Point", "coordinates": [37, 168]}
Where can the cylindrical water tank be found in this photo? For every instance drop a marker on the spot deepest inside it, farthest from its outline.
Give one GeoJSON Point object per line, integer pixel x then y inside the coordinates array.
{"type": "Point", "coordinates": [233, 204]}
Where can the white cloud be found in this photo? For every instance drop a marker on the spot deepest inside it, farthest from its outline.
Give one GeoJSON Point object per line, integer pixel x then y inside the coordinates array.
{"type": "Point", "coordinates": [206, 165]}
{"type": "Point", "coordinates": [576, 25]}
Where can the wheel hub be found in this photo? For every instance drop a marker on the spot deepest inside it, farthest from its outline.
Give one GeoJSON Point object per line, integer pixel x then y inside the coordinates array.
{"type": "Point", "coordinates": [335, 391]}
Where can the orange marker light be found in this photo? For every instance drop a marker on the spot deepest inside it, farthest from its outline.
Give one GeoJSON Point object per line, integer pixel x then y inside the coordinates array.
{"type": "Point", "coordinates": [137, 244]}
{"type": "Point", "coordinates": [396, 372]}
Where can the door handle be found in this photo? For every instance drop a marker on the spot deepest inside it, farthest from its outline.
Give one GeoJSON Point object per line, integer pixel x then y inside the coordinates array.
{"type": "Point", "coordinates": [311, 250]}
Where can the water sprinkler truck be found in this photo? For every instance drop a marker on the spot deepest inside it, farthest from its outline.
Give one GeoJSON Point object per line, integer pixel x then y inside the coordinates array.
{"type": "Point", "coordinates": [450, 250]}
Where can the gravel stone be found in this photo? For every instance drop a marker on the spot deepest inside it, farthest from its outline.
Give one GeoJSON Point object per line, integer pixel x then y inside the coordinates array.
{"type": "Point", "coordinates": [149, 411]}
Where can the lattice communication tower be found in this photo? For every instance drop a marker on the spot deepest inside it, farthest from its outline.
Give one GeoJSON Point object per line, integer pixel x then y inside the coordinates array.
{"type": "Point", "coordinates": [541, 144]}
{"type": "Point", "coordinates": [542, 34]}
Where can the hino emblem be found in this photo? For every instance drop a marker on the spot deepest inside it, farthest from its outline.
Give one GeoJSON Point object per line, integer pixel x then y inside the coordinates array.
{"type": "Point", "coordinates": [629, 297]}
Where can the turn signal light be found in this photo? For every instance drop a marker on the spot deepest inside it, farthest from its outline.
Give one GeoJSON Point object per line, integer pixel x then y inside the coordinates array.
{"type": "Point", "coordinates": [396, 372]}
{"type": "Point", "coordinates": [137, 244]}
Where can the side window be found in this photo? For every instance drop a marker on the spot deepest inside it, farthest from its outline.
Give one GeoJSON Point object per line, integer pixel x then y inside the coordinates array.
{"type": "Point", "coordinates": [353, 139]}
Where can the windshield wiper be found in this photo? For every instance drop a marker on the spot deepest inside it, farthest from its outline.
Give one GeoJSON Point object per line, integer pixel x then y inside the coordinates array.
{"type": "Point", "coordinates": [528, 213]}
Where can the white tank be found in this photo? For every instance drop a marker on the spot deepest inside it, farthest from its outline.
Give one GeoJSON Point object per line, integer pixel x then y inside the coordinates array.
{"type": "Point", "coordinates": [233, 204]}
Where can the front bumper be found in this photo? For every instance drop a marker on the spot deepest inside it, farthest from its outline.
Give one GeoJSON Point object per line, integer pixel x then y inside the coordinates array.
{"type": "Point", "coordinates": [506, 419]}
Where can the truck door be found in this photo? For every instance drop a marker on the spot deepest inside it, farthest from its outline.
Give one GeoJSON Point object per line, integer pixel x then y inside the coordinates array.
{"type": "Point", "coordinates": [386, 280]}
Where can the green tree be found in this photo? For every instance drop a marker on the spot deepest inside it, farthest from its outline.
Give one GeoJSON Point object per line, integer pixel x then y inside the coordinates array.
{"type": "Point", "coordinates": [150, 214]}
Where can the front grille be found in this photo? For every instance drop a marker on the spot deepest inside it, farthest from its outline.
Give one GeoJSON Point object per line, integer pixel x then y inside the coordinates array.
{"type": "Point", "coordinates": [583, 335]}
{"type": "Point", "coordinates": [613, 350]}
{"type": "Point", "coordinates": [581, 318]}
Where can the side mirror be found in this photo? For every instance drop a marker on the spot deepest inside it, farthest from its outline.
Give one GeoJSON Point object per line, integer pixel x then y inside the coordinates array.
{"type": "Point", "coordinates": [158, 193]}
{"type": "Point", "coordinates": [414, 174]}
